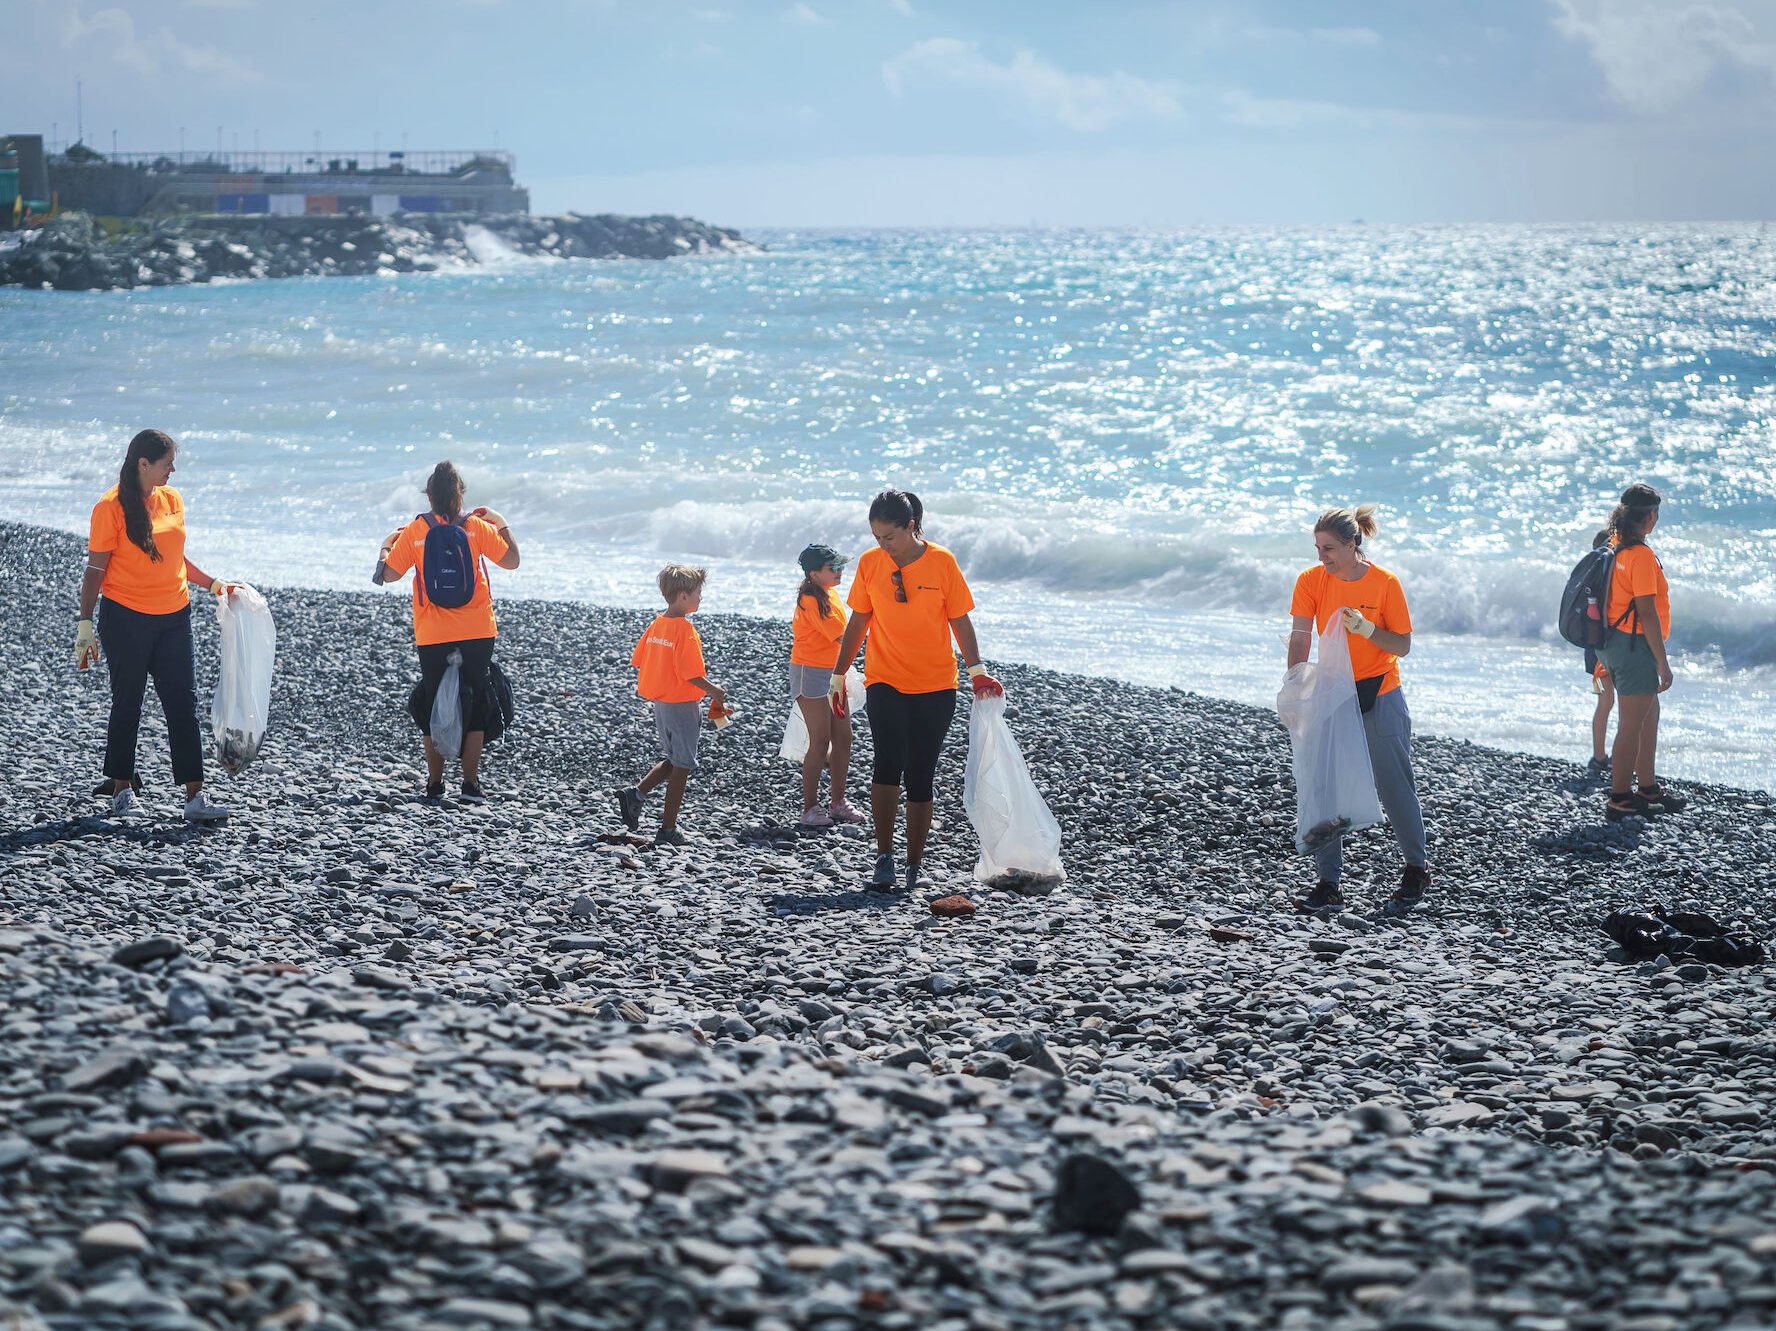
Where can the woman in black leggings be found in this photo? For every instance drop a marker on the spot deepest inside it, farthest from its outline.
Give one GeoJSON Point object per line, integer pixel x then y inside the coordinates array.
{"type": "Point", "coordinates": [909, 597]}
{"type": "Point", "coordinates": [136, 562]}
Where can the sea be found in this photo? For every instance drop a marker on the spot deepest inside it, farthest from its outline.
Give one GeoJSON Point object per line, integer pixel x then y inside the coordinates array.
{"type": "Point", "coordinates": [1124, 435]}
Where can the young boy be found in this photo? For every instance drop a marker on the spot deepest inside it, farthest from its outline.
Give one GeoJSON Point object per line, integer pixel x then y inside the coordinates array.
{"type": "Point", "coordinates": [668, 665]}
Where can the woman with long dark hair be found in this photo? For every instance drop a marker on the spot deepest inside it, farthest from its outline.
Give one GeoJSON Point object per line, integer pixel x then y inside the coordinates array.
{"type": "Point", "coordinates": [1639, 612]}
{"type": "Point", "coordinates": [908, 597]}
{"type": "Point", "coordinates": [452, 612]}
{"type": "Point", "coordinates": [136, 562]}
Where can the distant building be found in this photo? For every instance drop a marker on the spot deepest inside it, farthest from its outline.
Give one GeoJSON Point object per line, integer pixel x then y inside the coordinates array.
{"type": "Point", "coordinates": [285, 183]}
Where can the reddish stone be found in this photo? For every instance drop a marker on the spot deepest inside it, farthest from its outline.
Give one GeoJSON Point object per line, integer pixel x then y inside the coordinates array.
{"type": "Point", "coordinates": [155, 1138]}
{"type": "Point", "coordinates": [1223, 934]}
{"type": "Point", "coordinates": [953, 906]}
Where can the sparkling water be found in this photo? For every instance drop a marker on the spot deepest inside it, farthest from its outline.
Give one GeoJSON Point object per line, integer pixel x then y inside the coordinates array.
{"type": "Point", "coordinates": [1125, 436]}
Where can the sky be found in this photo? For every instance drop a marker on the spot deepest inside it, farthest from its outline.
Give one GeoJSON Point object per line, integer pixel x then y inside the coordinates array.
{"type": "Point", "coordinates": [962, 112]}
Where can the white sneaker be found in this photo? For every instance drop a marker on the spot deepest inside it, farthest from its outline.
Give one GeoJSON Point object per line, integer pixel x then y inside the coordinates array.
{"type": "Point", "coordinates": [816, 817]}
{"type": "Point", "coordinates": [200, 808]}
{"type": "Point", "coordinates": [125, 804]}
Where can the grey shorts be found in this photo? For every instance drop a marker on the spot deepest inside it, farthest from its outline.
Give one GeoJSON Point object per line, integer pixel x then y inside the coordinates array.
{"type": "Point", "coordinates": [808, 681]}
{"type": "Point", "coordinates": [678, 724]}
{"type": "Point", "coordinates": [1630, 664]}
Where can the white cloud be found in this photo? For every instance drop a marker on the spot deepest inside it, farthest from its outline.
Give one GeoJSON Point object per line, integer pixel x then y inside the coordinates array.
{"type": "Point", "coordinates": [113, 32]}
{"type": "Point", "coordinates": [803, 14]}
{"type": "Point", "coordinates": [902, 7]}
{"type": "Point", "coordinates": [1658, 54]}
{"type": "Point", "coordinates": [218, 4]}
{"type": "Point", "coordinates": [1084, 102]}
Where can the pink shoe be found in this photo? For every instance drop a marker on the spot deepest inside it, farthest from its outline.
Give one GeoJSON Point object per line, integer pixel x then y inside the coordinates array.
{"type": "Point", "coordinates": [816, 817]}
{"type": "Point", "coordinates": [844, 813]}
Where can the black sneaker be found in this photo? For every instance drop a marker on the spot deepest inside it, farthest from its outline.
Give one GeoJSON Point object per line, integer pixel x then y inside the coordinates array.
{"type": "Point", "coordinates": [917, 880]}
{"type": "Point", "coordinates": [1414, 881]}
{"type": "Point", "coordinates": [1324, 898]}
{"type": "Point", "coordinates": [434, 792]}
{"type": "Point", "coordinates": [1665, 797]}
{"type": "Point", "coordinates": [671, 836]}
{"type": "Point", "coordinates": [472, 794]}
{"type": "Point", "coordinates": [629, 806]}
{"type": "Point", "coordinates": [1597, 767]}
{"type": "Point", "coordinates": [883, 879]}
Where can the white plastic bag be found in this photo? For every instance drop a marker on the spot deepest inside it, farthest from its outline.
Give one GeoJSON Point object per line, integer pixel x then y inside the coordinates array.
{"type": "Point", "coordinates": [795, 730]}
{"type": "Point", "coordinates": [447, 719]}
{"type": "Point", "coordinates": [1018, 834]}
{"type": "Point", "coordinates": [241, 707]}
{"type": "Point", "coordinates": [1334, 784]}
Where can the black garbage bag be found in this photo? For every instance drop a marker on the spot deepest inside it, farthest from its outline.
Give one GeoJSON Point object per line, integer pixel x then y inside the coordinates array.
{"type": "Point", "coordinates": [1685, 935]}
{"type": "Point", "coordinates": [489, 709]}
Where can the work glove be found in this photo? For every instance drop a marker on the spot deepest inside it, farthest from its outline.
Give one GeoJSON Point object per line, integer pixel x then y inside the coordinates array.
{"type": "Point", "coordinates": [835, 692]}
{"type": "Point", "coordinates": [219, 587]}
{"type": "Point", "coordinates": [86, 645]}
{"type": "Point", "coordinates": [983, 684]}
{"type": "Point", "coordinates": [1355, 623]}
{"type": "Point", "coordinates": [1599, 683]}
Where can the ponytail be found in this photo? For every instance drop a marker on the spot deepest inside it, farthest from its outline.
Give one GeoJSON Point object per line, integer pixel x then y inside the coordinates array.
{"type": "Point", "coordinates": [152, 445]}
{"type": "Point", "coordinates": [822, 602]}
{"type": "Point", "coordinates": [900, 507]}
{"type": "Point", "coordinates": [444, 491]}
{"type": "Point", "coordinates": [1349, 525]}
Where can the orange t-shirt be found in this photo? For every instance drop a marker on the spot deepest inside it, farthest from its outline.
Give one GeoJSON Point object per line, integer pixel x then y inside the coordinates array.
{"type": "Point", "coordinates": [436, 623]}
{"type": "Point", "coordinates": [909, 641]}
{"type": "Point", "coordinates": [1378, 595]}
{"type": "Point", "coordinates": [132, 579]}
{"type": "Point", "coordinates": [1639, 573]}
{"type": "Point", "coordinates": [668, 655]}
{"type": "Point", "coordinates": [814, 639]}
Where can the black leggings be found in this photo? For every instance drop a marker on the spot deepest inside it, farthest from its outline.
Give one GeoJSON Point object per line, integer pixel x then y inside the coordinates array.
{"type": "Point", "coordinates": [139, 648]}
{"type": "Point", "coordinates": [434, 659]}
{"type": "Point", "coordinates": [908, 732]}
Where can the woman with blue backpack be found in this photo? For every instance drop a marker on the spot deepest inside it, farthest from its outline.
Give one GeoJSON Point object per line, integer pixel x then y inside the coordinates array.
{"type": "Point", "coordinates": [448, 550]}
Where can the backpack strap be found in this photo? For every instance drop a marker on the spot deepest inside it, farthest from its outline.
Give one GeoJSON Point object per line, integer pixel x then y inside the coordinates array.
{"type": "Point", "coordinates": [418, 569]}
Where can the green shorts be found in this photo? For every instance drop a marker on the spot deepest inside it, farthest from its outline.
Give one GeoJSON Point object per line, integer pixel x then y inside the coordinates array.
{"type": "Point", "coordinates": [1630, 663]}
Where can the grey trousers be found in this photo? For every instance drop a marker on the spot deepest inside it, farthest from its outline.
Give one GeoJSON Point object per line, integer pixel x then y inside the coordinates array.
{"type": "Point", "coordinates": [1388, 727]}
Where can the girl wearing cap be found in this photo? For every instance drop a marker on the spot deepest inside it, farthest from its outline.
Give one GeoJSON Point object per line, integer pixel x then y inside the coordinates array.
{"type": "Point", "coordinates": [136, 562]}
{"type": "Point", "coordinates": [909, 597]}
{"type": "Point", "coordinates": [1640, 612]}
{"type": "Point", "coordinates": [818, 625]}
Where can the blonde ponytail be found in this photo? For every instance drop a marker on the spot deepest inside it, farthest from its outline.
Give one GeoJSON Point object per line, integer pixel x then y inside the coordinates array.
{"type": "Point", "coordinates": [1348, 525]}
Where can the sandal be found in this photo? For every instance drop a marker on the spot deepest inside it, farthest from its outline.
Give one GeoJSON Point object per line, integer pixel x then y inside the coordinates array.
{"type": "Point", "coordinates": [1630, 805]}
{"type": "Point", "coordinates": [1666, 798]}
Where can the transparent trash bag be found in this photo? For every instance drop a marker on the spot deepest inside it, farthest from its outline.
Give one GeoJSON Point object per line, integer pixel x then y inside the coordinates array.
{"type": "Point", "coordinates": [795, 730]}
{"type": "Point", "coordinates": [241, 707]}
{"type": "Point", "coordinates": [1334, 784]}
{"type": "Point", "coordinates": [1019, 837]}
{"type": "Point", "coordinates": [447, 716]}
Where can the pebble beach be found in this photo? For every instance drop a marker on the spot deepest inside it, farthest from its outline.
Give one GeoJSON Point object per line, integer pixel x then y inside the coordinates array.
{"type": "Point", "coordinates": [353, 1061]}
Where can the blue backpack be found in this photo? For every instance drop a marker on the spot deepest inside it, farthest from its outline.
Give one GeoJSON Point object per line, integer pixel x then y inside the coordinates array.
{"type": "Point", "coordinates": [448, 564]}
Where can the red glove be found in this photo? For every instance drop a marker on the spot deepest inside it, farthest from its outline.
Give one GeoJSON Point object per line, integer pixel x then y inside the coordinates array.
{"type": "Point", "coordinates": [835, 692]}
{"type": "Point", "coordinates": [983, 684]}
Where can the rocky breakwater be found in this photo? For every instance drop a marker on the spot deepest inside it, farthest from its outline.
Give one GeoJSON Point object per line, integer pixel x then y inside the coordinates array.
{"type": "Point", "coordinates": [73, 253]}
{"type": "Point", "coordinates": [352, 1061]}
